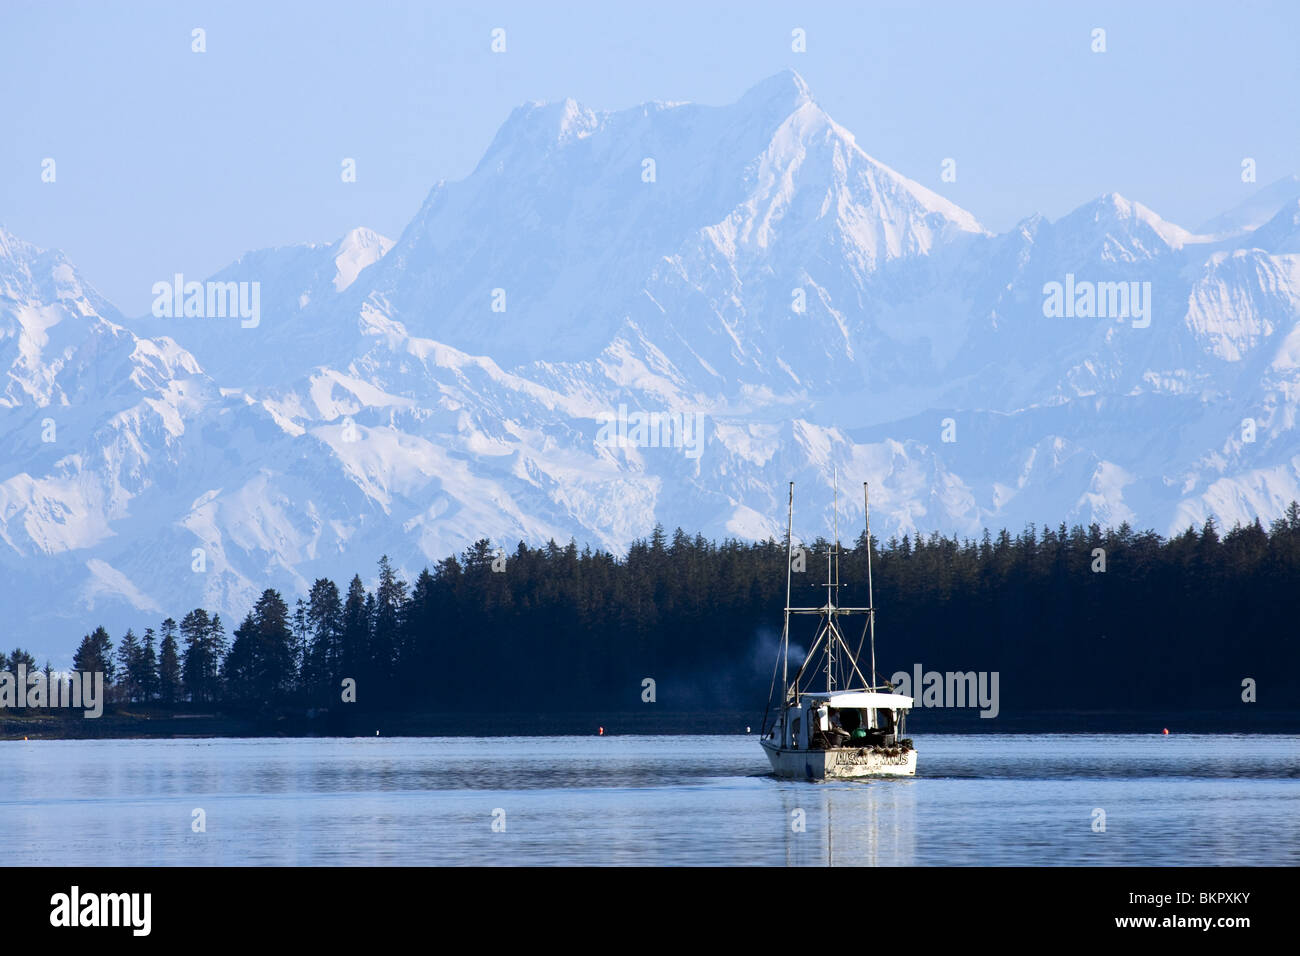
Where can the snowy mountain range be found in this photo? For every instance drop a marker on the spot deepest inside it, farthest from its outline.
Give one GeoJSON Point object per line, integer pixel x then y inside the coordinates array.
{"type": "Point", "coordinates": [747, 267]}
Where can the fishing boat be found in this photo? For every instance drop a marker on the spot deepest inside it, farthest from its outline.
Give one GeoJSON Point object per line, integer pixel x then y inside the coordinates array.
{"type": "Point", "coordinates": [854, 726]}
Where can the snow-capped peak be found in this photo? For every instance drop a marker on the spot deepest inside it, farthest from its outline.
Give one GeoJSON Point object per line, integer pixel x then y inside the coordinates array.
{"type": "Point", "coordinates": [1121, 230]}
{"type": "Point", "coordinates": [356, 250]}
{"type": "Point", "coordinates": [781, 94]}
{"type": "Point", "coordinates": [1113, 207]}
{"type": "Point", "coordinates": [575, 120]}
{"type": "Point", "coordinates": [537, 127]}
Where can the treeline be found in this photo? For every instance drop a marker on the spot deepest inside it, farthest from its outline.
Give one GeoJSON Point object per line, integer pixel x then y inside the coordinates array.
{"type": "Point", "coordinates": [1071, 618]}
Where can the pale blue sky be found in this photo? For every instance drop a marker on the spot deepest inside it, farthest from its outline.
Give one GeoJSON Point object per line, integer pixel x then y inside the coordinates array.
{"type": "Point", "coordinates": [172, 161]}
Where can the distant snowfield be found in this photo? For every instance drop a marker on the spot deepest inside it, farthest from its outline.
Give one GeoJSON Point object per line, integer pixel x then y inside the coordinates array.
{"type": "Point", "coordinates": [825, 315]}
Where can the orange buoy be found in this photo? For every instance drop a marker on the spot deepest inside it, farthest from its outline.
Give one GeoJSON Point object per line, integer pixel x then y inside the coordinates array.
{"type": "Point", "coordinates": [1166, 731]}
{"type": "Point", "coordinates": [600, 731]}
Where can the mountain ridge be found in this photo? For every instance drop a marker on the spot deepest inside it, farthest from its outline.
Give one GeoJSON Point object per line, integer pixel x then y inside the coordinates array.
{"type": "Point", "coordinates": [820, 312]}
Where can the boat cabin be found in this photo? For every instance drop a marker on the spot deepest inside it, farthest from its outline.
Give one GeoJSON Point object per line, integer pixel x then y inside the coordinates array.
{"type": "Point", "coordinates": [825, 721]}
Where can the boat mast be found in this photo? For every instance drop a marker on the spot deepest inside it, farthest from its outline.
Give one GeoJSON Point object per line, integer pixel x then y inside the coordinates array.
{"type": "Point", "coordinates": [830, 621]}
{"type": "Point", "coordinates": [832, 579]}
{"type": "Point", "coordinates": [830, 611]}
{"type": "Point", "coordinates": [785, 634]}
{"type": "Point", "coordinates": [871, 599]}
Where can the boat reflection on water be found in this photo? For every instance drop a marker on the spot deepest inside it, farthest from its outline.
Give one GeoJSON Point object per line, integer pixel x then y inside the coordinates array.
{"type": "Point", "coordinates": [859, 823]}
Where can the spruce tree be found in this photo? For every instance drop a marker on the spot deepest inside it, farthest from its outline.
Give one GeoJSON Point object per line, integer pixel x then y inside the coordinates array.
{"type": "Point", "coordinates": [355, 631]}
{"type": "Point", "coordinates": [390, 596]}
{"type": "Point", "coordinates": [147, 677]}
{"type": "Point", "coordinates": [170, 687]}
{"type": "Point", "coordinates": [128, 667]}
{"type": "Point", "coordinates": [322, 662]}
{"type": "Point", "coordinates": [18, 657]}
{"type": "Point", "coordinates": [273, 659]}
{"type": "Point", "coordinates": [95, 654]}
{"type": "Point", "coordinates": [215, 646]}
{"type": "Point", "coordinates": [239, 667]}
{"type": "Point", "coordinates": [196, 664]}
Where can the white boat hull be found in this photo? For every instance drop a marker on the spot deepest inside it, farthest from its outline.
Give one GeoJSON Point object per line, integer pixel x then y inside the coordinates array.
{"type": "Point", "coordinates": [840, 763]}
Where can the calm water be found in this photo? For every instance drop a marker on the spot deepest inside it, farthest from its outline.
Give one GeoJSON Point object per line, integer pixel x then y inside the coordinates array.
{"type": "Point", "coordinates": [647, 800]}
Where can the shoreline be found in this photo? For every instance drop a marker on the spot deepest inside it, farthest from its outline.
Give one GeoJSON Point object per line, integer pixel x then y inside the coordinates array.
{"type": "Point", "coordinates": [153, 724]}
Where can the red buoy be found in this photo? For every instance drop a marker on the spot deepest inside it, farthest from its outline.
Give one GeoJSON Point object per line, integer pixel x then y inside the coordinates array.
{"type": "Point", "coordinates": [602, 731]}
{"type": "Point", "coordinates": [1166, 731]}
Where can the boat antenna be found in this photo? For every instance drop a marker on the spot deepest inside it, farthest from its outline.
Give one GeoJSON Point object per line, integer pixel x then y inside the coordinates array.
{"type": "Point", "coordinates": [835, 519]}
{"type": "Point", "coordinates": [837, 534]}
{"type": "Point", "coordinates": [871, 599]}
